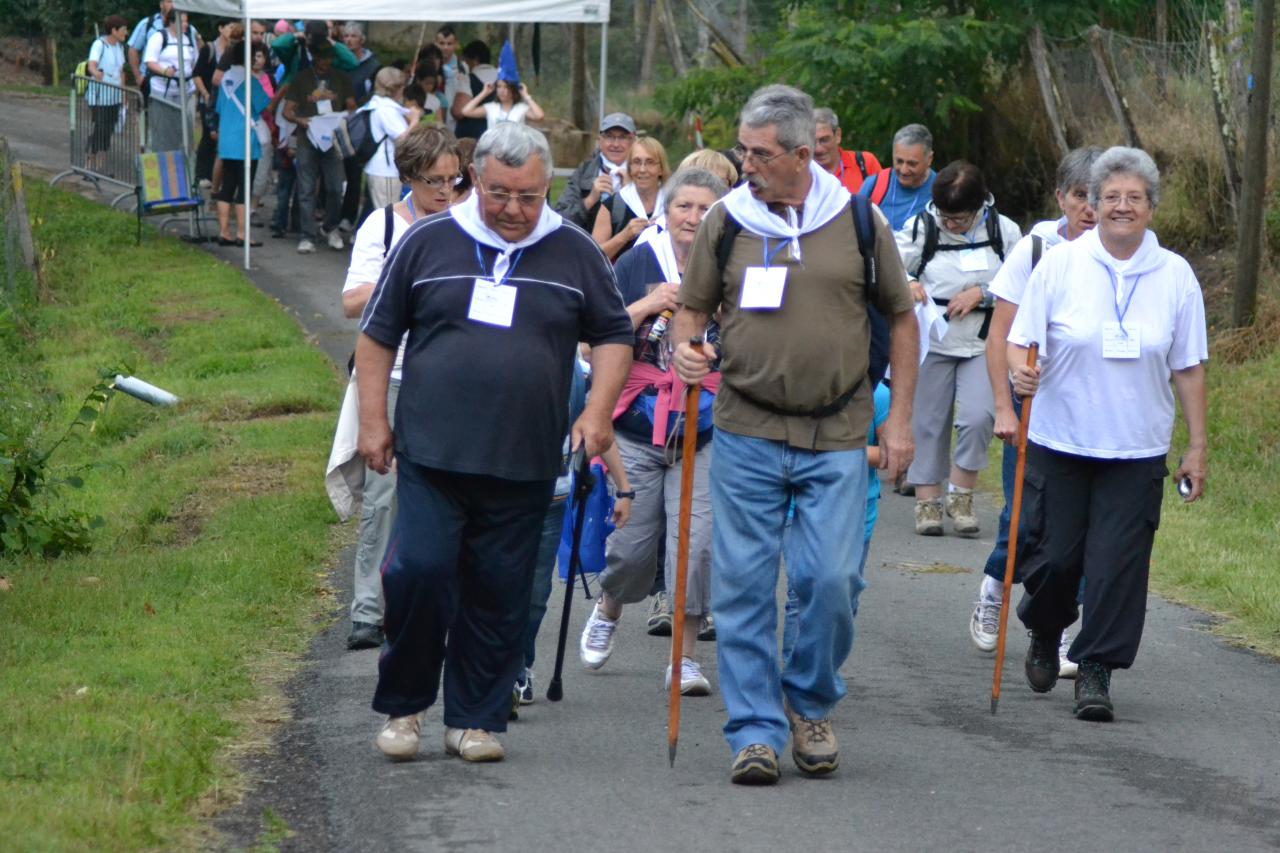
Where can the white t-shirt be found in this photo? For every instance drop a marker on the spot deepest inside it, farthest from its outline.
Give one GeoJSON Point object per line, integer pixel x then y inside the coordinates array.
{"type": "Point", "coordinates": [368, 254]}
{"type": "Point", "coordinates": [110, 59]}
{"type": "Point", "coordinates": [1011, 280]}
{"type": "Point", "coordinates": [1104, 407]}
{"type": "Point", "coordinates": [494, 113]}
{"type": "Point", "coordinates": [162, 48]}
{"type": "Point", "coordinates": [950, 272]}
{"type": "Point", "coordinates": [387, 123]}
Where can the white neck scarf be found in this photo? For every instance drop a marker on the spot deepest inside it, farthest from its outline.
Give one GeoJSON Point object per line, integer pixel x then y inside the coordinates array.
{"type": "Point", "coordinates": [468, 217]}
{"type": "Point", "coordinates": [658, 238]}
{"type": "Point", "coordinates": [826, 198]}
{"type": "Point", "coordinates": [631, 197]}
{"type": "Point", "coordinates": [614, 170]}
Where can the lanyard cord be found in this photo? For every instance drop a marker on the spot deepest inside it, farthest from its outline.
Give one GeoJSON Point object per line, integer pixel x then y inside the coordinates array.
{"type": "Point", "coordinates": [1120, 313]}
{"type": "Point", "coordinates": [769, 256]}
{"type": "Point", "coordinates": [514, 260]}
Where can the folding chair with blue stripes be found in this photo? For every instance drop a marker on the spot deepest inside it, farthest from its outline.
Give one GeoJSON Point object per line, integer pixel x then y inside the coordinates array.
{"type": "Point", "coordinates": [164, 186]}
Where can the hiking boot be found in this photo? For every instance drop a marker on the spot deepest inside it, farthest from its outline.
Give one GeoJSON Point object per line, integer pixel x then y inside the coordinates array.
{"type": "Point", "coordinates": [1042, 662]}
{"type": "Point", "coordinates": [960, 509]}
{"type": "Point", "coordinates": [398, 739]}
{"type": "Point", "coordinates": [473, 745]}
{"type": "Point", "coordinates": [365, 635]}
{"type": "Point", "coordinates": [659, 624]}
{"type": "Point", "coordinates": [813, 744]}
{"type": "Point", "coordinates": [692, 681]}
{"type": "Point", "coordinates": [929, 517]}
{"type": "Point", "coordinates": [524, 686]}
{"type": "Point", "coordinates": [1093, 693]}
{"type": "Point", "coordinates": [756, 764]}
{"type": "Point", "coordinates": [707, 629]}
{"type": "Point", "coordinates": [306, 247]}
{"type": "Point", "coordinates": [984, 625]}
{"type": "Point", "coordinates": [597, 639]}
{"type": "Point", "coordinates": [1066, 668]}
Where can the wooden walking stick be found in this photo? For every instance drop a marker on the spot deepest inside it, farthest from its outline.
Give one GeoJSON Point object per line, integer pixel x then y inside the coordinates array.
{"type": "Point", "coordinates": [1015, 512]}
{"type": "Point", "coordinates": [687, 464]}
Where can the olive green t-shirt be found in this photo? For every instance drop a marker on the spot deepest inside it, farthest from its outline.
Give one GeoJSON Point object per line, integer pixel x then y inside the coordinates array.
{"type": "Point", "coordinates": [805, 354]}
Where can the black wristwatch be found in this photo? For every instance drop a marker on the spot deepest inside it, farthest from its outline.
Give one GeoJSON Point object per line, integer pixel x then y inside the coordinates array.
{"type": "Point", "coordinates": [631, 494]}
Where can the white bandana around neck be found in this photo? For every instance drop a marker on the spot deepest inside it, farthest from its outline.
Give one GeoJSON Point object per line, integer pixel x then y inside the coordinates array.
{"type": "Point", "coordinates": [631, 197]}
{"type": "Point", "coordinates": [826, 198]}
{"type": "Point", "coordinates": [614, 170]}
{"type": "Point", "coordinates": [658, 238]}
{"type": "Point", "coordinates": [468, 217]}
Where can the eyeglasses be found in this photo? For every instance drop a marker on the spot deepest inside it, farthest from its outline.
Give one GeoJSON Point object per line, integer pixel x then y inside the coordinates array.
{"type": "Point", "coordinates": [1132, 199]}
{"type": "Point", "coordinates": [439, 184]}
{"type": "Point", "coordinates": [504, 198]}
{"type": "Point", "coordinates": [761, 158]}
{"type": "Point", "coordinates": [963, 220]}
{"type": "Point", "coordinates": [616, 137]}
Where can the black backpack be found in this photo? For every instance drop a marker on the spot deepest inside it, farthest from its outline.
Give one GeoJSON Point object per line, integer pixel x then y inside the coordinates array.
{"type": "Point", "coordinates": [995, 239]}
{"type": "Point", "coordinates": [864, 227]}
{"type": "Point", "coordinates": [363, 140]}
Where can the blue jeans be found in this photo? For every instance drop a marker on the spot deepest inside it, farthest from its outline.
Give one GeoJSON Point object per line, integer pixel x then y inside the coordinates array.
{"type": "Point", "coordinates": [791, 621]}
{"type": "Point", "coordinates": [1008, 468]}
{"type": "Point", "coordinates": [543, 569]}
{"type": "Point", "coordinates": [752, 482]}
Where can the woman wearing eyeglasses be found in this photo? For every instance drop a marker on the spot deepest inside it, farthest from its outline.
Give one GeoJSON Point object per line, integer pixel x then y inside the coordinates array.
{"type": "Point", "coordinates": [951, 251]}
{"type": "Point", "coordinates": [426, 158]}
{"type": "Point", "coordinates": [389, 121]}
{"type": "Point", "coordinates": [1116, 317]}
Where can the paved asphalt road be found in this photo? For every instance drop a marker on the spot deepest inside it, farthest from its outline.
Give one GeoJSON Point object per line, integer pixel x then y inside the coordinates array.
{"type": "Point", "coordinates": [1192, 762]}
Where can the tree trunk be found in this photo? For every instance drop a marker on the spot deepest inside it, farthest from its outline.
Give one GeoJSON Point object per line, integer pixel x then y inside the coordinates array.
{"type": "Point", "coordinates": [1253, 190]}
{"type": "Point", "coordinates": [1048, 90]}
{"type": "Point", "coordinates": [673, 38]}
{"type": "Point", "coordinates": [1233, 21]}
{"type": "Point", "coordinates": [650, 47]}
{"type": "Point", "coordinates": [1222, 111]}
{"type": "Point", "coordinates": [578, 77]}
{"type": "Point", "coordinates": [1162, 39]}
{"type": "Point", "coordinates": [1112, 90]}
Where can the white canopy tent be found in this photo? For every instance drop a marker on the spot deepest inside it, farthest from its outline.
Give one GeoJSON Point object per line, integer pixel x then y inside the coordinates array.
{"type": "Point", "coordinates": [499, 11]}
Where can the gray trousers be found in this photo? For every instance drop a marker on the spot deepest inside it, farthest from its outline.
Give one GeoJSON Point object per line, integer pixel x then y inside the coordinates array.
{"type": "Point", "coordinates": [311, 163]}
{"type": "Point", "coordinates": [377, 514]}
{"type": "Point", "coordinates": [948, 384]}
{"type": "Point", "coordinates": [632, 552]}
{"type": "Point", "coordinates": [164, 124]}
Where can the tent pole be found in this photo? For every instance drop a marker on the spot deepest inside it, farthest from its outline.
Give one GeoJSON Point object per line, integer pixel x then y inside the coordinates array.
{"type": "Point", "coordinates": [184, 111]}
{"type": "Point", "coordinates": [604, 64]}
{"type": "Point", "coordinates": [248, 140]}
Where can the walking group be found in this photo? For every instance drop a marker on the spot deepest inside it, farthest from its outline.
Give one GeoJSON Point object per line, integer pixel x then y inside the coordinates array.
{"type": "Point", "coordinates": [844, 321]}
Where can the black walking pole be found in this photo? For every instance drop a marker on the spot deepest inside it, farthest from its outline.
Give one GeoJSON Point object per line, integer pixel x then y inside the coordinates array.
{"type": "Point", "coordinates": [583, 483]}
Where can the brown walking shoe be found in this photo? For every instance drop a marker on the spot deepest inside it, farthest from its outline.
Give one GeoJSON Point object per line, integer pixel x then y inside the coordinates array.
{"type": "Point", "coordinates": [813, 744]}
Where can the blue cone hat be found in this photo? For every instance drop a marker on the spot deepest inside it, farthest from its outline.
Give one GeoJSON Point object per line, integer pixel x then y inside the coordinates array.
{"type": "Point", "coordinates": [507, 65]}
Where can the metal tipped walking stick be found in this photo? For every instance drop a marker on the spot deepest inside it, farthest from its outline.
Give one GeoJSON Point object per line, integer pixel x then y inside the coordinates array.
{"type": "Point", "coordinates": [1015, 513]}
{"type": "Point", "coordinates": [687, 465]}
{"type": "Point", "coordinates": [583, 483]}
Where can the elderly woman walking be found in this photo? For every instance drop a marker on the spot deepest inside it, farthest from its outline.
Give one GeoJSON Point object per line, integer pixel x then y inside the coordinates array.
{"type": "Point", "coordinates": [1115, 316]}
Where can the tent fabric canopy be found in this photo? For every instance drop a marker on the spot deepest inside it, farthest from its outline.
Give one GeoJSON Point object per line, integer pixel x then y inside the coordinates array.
{"type": "Point", "coordinates": [518, 11]}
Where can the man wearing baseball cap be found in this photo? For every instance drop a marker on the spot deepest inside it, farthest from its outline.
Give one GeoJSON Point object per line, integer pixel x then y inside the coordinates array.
{"type": "Point", "coordinates": [601, 174]}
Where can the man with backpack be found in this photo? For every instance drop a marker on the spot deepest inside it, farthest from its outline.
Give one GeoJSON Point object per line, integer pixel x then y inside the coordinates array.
{"type": "Point", "coordinates": [791, 421]}
{"type": "Point", "coordinates": [903, 191]}
{"type": "Point", "coordinates": [851, 167]}
{"type": "Point", "coordinates": [142, 31]}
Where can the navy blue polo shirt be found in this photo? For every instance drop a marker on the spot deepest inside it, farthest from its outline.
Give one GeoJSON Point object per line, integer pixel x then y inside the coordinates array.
{"type": "Point", "coordinates": [478, 398]}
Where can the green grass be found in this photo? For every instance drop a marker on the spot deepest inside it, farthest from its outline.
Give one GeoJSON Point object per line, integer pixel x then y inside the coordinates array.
{"type": "Point", "coordinates": [23, 89]}
{"type": "Point", "coordinates": [126, 673]}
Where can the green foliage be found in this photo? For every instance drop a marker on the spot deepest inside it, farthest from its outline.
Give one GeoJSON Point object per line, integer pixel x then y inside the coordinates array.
{"type": "Point", "coordinates": [32, 523]}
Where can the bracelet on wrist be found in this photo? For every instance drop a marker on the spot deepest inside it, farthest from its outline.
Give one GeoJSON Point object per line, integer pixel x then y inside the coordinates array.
{"type": "Point", "coordinates": [623, 493]}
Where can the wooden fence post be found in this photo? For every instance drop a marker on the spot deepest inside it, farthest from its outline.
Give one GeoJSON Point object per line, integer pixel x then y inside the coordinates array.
{"type": "Point", "coordinates": [1252, 196]}
{"type": "Point", "coordinates": [1118, 105]}
{"type": "Point", "coordinates": [1048, 91]}
{"type": "Point", "coordinates": [1219, 88]}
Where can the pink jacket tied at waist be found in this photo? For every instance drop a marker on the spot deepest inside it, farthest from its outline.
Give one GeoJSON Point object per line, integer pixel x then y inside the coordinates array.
{"type": "Point", "coordinates": [670, 394]}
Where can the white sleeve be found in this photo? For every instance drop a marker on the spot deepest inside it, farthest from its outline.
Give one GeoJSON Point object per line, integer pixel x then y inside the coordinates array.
{"type": "Point", "coordinates": [393, 122]}
{"type": "Point", "coordinates": [1011, 278]}
{"type": "Point", "coordinates": [367, 254]}
{"type": "Point", "coordinates": [1190, 339]}
{"type": "Point", "coordinates": [1031, 323]}
{"type": "Point", "coordinates": [909, 249]}
{"type": "Point", "coordinates": [95, 52]}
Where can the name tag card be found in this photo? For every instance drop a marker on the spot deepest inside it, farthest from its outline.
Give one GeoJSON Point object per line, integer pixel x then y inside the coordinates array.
{"type": "Point", "coordinates": [493, 304]}
{"type": "Point", "coordinates": [762, 288]}
{"type": "Point", "coordinates": [973, 260]}
{"type": "Point", "coordinates": [1116, 345]}
{"type": "Point", "coordinates": [323, 108]}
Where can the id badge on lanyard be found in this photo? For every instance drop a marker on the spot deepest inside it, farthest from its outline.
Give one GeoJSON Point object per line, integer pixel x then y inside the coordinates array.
{"type": "Point", "coordinates": [763, 287]}
{"type": "Point", "coordinates": [1118, 340]}
{"type": "Point", "coordinates": [493, 302]}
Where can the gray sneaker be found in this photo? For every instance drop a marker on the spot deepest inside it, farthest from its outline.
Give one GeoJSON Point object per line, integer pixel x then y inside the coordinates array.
{"type": "Point", "coordinates": [929, 517]}
{"type": "Point", "coordinates": [306, 247]}
{"type": "Point", "coordinates": [659, 623]}
{"type": "Point", "coordinates": [960, 509]}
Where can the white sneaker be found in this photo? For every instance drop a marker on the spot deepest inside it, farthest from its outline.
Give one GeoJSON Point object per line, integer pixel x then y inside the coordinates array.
{"type": "Point", "coordinates": [984, 625]}
{"type": "Point", "coordinates": [335, 240]}
{"type": "Point", "coordinates": [306, 247]}
{"type": "Point", "coordinates": [692, 681]}
{"type": "Point", "coordinates": [473, 745]}
{"type": "Point", "coordinates": [1066, 668]}
{"type": "Point", "coordinates": [398, 739]}
{"type": "Point", "coordinates": [597, 639]}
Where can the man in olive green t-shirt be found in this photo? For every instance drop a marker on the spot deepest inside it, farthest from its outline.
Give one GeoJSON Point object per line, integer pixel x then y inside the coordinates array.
{"type": "Point", "coordinates": [791, 424]}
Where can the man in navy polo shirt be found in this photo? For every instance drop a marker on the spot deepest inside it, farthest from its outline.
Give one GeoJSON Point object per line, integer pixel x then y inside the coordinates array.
{"type": "Point", "coordinates": [495, 294]}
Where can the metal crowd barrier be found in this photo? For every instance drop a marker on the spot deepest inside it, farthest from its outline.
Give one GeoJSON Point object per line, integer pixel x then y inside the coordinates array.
{"type": "Point", "coordinates": [108, 132]}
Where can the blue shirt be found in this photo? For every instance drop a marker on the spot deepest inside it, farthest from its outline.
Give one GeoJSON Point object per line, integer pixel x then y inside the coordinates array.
{"type": "Point", "coordinates": [110, 59]}
{"type": "Point", "coordinates": [144, 28]}
{"type": "Point", "coordinates": [881, 398]}
{"type": "Point", "coordinates": [231, 119]}
{"type": "Point", "coordinates": [899, 203]}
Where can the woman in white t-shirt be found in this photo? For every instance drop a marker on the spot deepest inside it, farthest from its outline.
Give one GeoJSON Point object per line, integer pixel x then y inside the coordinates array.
{"type": "Point", "coordinates": [426, 158]}
{"type": "Point", "coordinates": [106, 62]}
{"type": "Point", "coordinates": [390, 121]}
{"type": "Point", "coordinates": [511, 102]}
{"type": "Point", "coordinates": [1116, 317]}
{"type": "Point", "coordinates": [169, 83]}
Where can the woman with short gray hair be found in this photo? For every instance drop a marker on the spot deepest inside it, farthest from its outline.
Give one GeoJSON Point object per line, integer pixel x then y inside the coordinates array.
{"type": "Point", "coordinates": [1116, 317]}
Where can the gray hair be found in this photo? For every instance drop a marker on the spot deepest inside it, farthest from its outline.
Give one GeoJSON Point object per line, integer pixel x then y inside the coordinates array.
{"type": "Point", "coordinates": [1124, 161]}
{"type": "Point", "coordinates": [787, 109]}
{"type": "Point", "coordinates": [827, 116]}
{"type": "Point", "coordinates": [693, 177]}
{"type": "Point", "coordinates": [512, 144]}
{"type": "Point", "coordinates": [1074, 169]}
{"type": "Point", "coordinates": [353, 28]}
{"type": "Point", "coordinates": [914, 134]}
